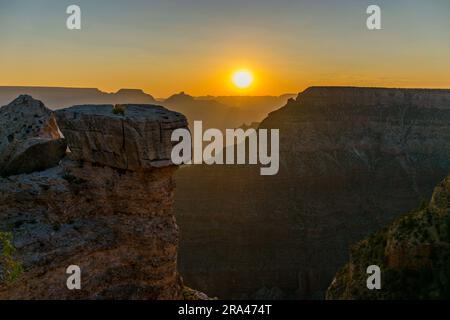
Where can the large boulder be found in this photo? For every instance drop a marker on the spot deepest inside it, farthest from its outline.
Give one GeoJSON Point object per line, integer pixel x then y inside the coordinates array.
{"type": "Point", "coordinates": [29, 137]}
{"type": "Point", "coordinates": [131, 137]}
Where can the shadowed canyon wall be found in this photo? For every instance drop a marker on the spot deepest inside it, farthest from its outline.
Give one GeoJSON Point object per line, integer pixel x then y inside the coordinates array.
{"type": "Point", "coordinates": [351, 160]}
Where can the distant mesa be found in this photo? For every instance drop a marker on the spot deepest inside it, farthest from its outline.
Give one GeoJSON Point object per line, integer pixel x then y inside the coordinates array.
{"type": "Point", "coordinates": [215, 111]}
{"type": "Point", "coordinates": [58, 98]}
{"type": "Point", "coordinates": [181, 97]}
{"type": "Point", "coordinates": [132, 96]}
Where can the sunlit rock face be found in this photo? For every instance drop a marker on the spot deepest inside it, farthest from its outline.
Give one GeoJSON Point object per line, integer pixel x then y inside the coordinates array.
{"type": "Point", "coordinates": [130, 137]}
{"type": "Point", "coordinates": [115, 222]}
{"type": "Point", "coordinates": [351, 160]}
{"type": "Point", "coordinates": [29, 137]}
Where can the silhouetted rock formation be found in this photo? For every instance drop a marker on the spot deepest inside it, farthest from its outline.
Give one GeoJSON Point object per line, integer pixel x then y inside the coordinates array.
{"type": "Point", "coordinates": [215, 112]}
{"type": "Point", "coordinates": [224, 112]}
{"type": "Point", "coordinates": [29, 137]}
{"type": "Point", "coordinates": [212, 113]}
{"type": "Point", "coordinates": [351, 160]}
{"type": "Point", "coordinates": [413, 254]}
{"type": "Point", "coordinates": [132, 96]}
{"type": "Point", "coordinates": [58, 98]}
{"type": "Point", "coordinates": [181, 97]}
{"type": "Point", "coordinates": [114, 221]}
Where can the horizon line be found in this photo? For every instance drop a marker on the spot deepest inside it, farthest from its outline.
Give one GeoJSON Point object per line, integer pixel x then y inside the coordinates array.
{"type": "Point", "coordinates": [217, 96]}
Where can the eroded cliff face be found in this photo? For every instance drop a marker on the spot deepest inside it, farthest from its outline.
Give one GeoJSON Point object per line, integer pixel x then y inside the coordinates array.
{"type": "Point", "coordinates": [113, 221]}
{"type": "Point", "coordinates": [351, 160]}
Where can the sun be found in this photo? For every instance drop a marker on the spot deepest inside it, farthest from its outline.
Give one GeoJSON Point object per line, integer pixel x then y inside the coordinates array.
{"type": "Point", "coordinates": [242, 78]}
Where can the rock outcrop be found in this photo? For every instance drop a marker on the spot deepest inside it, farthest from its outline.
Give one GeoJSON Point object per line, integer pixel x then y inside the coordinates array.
{"type": "Point", "coordinates": [29, 137]}
{"type": "Point", "coordinates": [413, 254]}
{"type": "Point", "coordinates": [130, 137]}
{"type": "Point", "coordinates": [351, 160]}
{"type": "Point", "coordinates": [114, 221]}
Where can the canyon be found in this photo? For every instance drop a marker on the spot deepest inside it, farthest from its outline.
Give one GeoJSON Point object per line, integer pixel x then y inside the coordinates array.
{"type": "Point", "coordinates": [240, 144]}
{"type": "Point", "coordinates": [351, 161]}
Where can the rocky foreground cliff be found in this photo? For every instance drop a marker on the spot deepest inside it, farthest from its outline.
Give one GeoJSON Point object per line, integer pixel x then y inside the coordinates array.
{"type": "Point", "coordinates": [351, 160]}
{"type": "Point", "coordinates": [106, 206]}
{"type": "Point", "coordinates": [413, 254]}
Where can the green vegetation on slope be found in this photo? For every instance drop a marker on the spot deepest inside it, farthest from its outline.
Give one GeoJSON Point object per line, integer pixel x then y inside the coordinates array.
{"type": "Point", "coordinates": [10, 269]}
{"type": "Point", "coordinates": [413, 254]}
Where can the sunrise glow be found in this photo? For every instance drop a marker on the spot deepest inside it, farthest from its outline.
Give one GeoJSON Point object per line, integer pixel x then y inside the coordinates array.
{"type": "Point", "coordinates": [242, 79]}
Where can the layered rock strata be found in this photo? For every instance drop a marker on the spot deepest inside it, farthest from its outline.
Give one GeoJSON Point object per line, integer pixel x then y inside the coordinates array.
{"type": "Point", "coordinates": [115, 221]}
{"type": "Point", "coordinates": [130, 137]}
{"type": "Point", "coordinates": [351, 160]}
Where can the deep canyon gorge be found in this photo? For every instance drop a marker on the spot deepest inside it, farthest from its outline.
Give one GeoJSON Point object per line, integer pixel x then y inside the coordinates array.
{"type": "Point", "coordinates": [351, 161]}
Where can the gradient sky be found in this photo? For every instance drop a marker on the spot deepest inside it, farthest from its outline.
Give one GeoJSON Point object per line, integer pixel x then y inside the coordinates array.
{"type": "Point", "coordinates": [167, 46]}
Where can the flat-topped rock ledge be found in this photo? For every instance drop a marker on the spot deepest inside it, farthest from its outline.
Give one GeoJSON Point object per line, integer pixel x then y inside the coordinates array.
{"type": "Point", "coordinates": [132, 137]}
{"type": "Point", "coordinates": [350, 96]}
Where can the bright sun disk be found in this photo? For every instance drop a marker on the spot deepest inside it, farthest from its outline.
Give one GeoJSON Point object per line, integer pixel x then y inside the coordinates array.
{"type": "Point", "coordinates": [242, 79]}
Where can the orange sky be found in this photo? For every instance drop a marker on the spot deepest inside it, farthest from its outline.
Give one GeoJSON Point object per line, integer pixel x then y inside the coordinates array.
{"type": "Point", "coordinates": [194, 46]}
